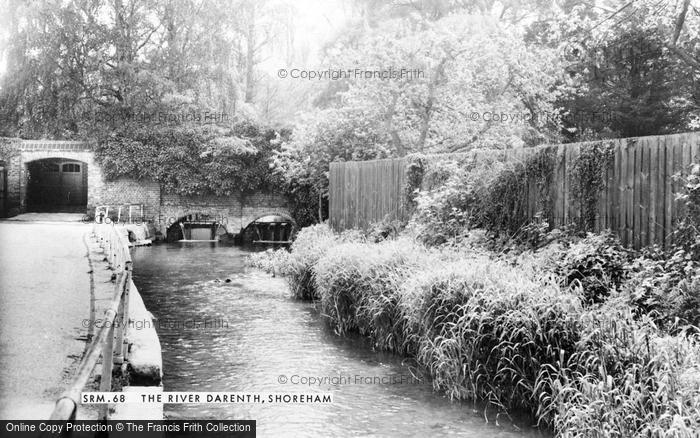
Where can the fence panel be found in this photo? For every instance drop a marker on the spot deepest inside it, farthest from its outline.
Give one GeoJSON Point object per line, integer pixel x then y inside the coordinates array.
{"type": "Point", "coordinates": [637, 201]}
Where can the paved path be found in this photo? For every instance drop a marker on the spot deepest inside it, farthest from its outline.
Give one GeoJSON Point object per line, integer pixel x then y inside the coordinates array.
{"type": "Point", "coordinates": [44, 298]}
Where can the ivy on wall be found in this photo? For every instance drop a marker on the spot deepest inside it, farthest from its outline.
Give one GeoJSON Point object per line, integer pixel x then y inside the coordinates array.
{"type": "Point", "coordinates": [415, 170]}
{"type": "Point", "coordinates": [7, 150]}
{"type": "Point", "coordinates": [192, 160]}
{"type": "Point", "coordinates": [588, 180]}
{"type": "Point", "coordinates": [505, 208]}
{"type": "Point", "coordinates": [540, 169]}
{"type": "Point", "coordinates": [686, 234]}
{"type": "Point", "coordinates": [448, 195]}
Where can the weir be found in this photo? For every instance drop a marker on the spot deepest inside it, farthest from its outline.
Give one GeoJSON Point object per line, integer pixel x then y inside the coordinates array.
{"type": "Point", "coordinates": [269, 230]}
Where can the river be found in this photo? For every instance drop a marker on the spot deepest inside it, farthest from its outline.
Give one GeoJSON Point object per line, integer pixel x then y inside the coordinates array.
{"type": "Point", "coordinates": [258, 339]}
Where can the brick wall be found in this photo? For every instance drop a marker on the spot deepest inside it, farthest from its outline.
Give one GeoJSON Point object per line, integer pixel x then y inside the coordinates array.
{"type": "Point", "coordinates": [234, 211]}
{"type": "Point", "coordinates": [126, 191]}
{"type": "Point", "coordinates": [17, 175]}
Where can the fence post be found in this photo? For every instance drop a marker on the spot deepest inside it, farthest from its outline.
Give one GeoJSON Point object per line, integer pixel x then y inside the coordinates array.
{"type": "Point", "coordinates": [121, 342]}
{"type": "Point", "coordinates": [106, 381]}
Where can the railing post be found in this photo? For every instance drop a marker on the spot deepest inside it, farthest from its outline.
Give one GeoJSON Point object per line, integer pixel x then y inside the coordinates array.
{"type": "Point", "coordinates": [106, 382]}
{"type": "Point", "coordinates": [110, 345]}
{"type": "Point", "coordinates": [121, 342]}
{"type": "Point", "coordinates": [113, 246]}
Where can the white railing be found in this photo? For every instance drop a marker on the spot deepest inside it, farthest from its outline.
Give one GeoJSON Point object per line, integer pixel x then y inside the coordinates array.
{"type": "Point", "coordinates": [110, 342]}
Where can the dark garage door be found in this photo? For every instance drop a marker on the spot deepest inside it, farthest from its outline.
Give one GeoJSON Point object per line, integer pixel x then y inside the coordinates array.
{"type": "Point", "coordinates": [56, 185]}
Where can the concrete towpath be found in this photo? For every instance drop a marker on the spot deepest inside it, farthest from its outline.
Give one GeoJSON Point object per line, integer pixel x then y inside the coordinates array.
{"type": "Point", "coordinates": [44, 300]}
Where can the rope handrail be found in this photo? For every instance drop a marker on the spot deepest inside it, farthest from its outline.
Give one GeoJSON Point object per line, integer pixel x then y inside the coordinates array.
{"type": "Point", "coordinates": [110, 344]}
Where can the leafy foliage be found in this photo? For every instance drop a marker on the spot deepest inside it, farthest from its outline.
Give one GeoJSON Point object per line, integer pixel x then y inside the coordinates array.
{"type": "Point", "coordinates": [191, 160]}
{"type": "Point", "coordinates": [596, 265]}
{"type": "Point", "coordinates": [482, 190]}
{"type": "Point", "coordinates": [453, 198]}
{"type": "Point", "coordinates": [7, 150]}
{"type": "Point", "coordinates": [687, 233]}
{"type": "Point", "coordinates": [588, 179]}
{"type": "Point", "coordinates": [415, 170]}
{"type": "Point", "coordinates": [664, 284]}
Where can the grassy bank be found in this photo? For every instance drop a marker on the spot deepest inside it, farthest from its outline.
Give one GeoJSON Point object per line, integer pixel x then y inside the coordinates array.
{"type": "Point", "coordinates": [559, 332]}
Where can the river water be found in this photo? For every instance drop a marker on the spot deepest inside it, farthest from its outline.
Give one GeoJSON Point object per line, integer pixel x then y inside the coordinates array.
{"type": "Point", "coordinates": [257, 339]}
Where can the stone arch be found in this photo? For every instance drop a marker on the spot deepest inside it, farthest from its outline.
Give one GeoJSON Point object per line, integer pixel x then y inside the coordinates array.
{"type": "Point", "coordinates": [281, 231]}
{"type": "Point", "coordinates": [174, 230]}
{"type": "Point", "coordinates": [30, 152]}
{"type": "Point", "coordinates": [54, 182]}
{"type": "Point", "coordinates": [280, 213]}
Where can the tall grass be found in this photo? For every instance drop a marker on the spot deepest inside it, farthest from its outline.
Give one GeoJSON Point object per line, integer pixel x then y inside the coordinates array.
{"type": "Point", "coordinates": [508, 333]}
{"type": "Point", "coordinates": [297, 265]}
{"type": "Point", "coordinates": [626, 378]}
{"type": "Point", "coordinates": [485, 330]}
{"type": "Point", "coordinates": [359, 284]}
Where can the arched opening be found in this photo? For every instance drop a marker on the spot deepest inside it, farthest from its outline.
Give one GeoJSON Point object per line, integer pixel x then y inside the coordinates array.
{"type": "Point", "coordinates": [195, 227]}
{"type": "Point", "coordinates": [56, 185]}
{"type": "Point", "coordinates": [273, 228]}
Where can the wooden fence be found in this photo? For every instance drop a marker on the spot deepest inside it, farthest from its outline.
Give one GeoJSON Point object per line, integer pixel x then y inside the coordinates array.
{"type": "Point", "coordinates": [638, 199]}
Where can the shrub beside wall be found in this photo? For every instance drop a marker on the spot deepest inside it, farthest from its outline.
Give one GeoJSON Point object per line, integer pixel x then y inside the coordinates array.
{"type": "Point", "coordinates": [450, 196]}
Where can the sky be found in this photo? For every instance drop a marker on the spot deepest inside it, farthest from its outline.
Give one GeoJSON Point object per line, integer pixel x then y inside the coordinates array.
{"type": "Point", "coordinates": [317, 21]}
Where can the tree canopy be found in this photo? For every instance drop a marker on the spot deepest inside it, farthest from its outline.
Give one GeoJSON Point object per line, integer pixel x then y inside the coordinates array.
{"type": "Point", "coordinates": [401, 76]}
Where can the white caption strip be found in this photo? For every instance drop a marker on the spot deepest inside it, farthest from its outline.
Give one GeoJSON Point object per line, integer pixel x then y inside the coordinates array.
{"type": "Point", "coordinates": [206, 397]}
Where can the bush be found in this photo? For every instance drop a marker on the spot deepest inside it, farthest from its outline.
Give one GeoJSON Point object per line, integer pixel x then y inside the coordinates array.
{"type": "Point", "coordinates": [658, 286]}
{"type": "Point", "coordinates": [504, 208]}
{"type": "Point", "coordinates": [686, 234]}
{"type": "Point", "coordinates": [383, 230]}
{"type": "Point", "coordinates": [596, 264]}
{"type": "Point", "coordinates": [452, 201]}
{"type": "Point", "coordinates": [480, 190]}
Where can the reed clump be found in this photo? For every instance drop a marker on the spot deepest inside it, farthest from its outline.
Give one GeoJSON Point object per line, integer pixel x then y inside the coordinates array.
{"type": "Point", "coordinates": [484, 330]}
{"type": "Point", "coordinates": [626, 378]}
{"type": "Point", "coordinates": [515, 334]}
{"type": "Point", "coordinates": [297, 265]}
{"type": "Point", "coordinates": [359, 285]}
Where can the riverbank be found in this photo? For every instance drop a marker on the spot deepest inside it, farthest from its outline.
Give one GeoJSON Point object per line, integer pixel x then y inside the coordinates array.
{"type": "Point", "coordinates": [248, 335]}
{"type": "Point", "coordinates": [555, 332]}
